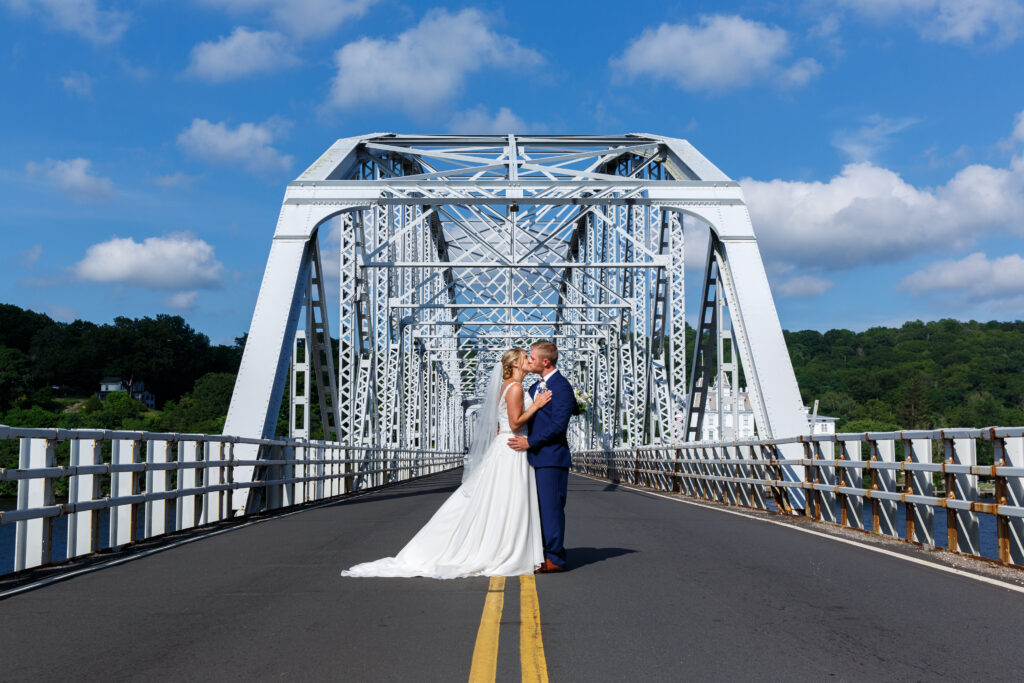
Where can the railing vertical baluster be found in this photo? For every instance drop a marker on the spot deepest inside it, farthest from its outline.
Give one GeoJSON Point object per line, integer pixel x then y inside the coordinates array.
{"type": "Point", "coordinates": [813, 507]}
{"type": "Point", "coordinates": [124, 521]}
{"type": "Point", "coordinates": [34, 537]}
{"type": "Point", "coordinates": [296, 494]}
{"type": "Point", "coordinates": [920, 518]}
{"type": "Point", "coordinates": [1013, 453]}
{"type": "Point", "coordinates": [320, 455]}
{"type": "Point", "coordinates": [962, 529]}
{"type": "Point", "coordinates": [273, 491]}
{"type": "Point", "coordinates": [338, 482]}
{"type": "Point", "coordinates": [186, 505]}
{"type": "Point", "coordinates": [853, 477]}
{"type": "Point", "coordinates": [157, 481]}
{"type": "Point", "coordinates": [779, 493]}
{"type": "Point", "coordinates": [348, 455]}
{"type": "Point", "coordinates": [211, 500]}
{"type": "Point", "coordinates": [825, 450]}
{"type": "Point", "coordinates": [883, 512]}
{"type": "Point", "coordinates": [755, 471]}
{"type": "Point", "coordinates": [230, 479]}
{"type": "Point", "coordinates": [84, 527]}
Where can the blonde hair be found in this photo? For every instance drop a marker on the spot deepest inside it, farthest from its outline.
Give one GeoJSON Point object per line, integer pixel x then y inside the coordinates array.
{"type": "Point", "coordinates": [509, 359]}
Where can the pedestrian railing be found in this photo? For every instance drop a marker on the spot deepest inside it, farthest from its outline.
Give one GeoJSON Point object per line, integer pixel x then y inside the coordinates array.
{"type": "Point", "coordinates": [125, 486]}
{"type": "Point", "coordinates": [861, 481]}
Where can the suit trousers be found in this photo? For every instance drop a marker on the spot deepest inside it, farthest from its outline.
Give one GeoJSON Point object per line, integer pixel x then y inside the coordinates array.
{"type": "Point", "coordinates": [552, 485]}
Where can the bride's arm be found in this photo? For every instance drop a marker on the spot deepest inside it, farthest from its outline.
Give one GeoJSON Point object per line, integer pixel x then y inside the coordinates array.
{"type": "Point", "coordinates": [517, 417]}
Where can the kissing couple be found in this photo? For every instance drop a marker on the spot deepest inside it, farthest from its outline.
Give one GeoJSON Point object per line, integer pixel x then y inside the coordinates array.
{"type": "Point", "coordinates": [508, 516]}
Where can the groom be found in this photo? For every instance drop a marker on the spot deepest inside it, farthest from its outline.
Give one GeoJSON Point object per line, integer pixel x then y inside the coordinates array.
{"type": "Point", "coordinates": [548, 449]}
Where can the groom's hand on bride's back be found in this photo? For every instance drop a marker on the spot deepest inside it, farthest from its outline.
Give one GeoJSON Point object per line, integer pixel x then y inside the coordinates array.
{"type": "Point", "coordinates": [519, 443]}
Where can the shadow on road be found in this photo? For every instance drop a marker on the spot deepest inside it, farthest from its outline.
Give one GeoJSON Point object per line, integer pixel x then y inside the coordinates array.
{"type": "Point", "coordinates": [581, 557]}
{"type": "Point", "coordinates": [406, 491]}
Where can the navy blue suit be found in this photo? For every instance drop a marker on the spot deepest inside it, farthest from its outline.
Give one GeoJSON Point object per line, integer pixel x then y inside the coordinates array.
{"type": "Point", "coordinates": [550, 457]}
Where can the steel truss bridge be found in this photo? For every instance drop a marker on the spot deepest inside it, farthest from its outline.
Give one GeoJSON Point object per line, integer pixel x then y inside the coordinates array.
{"type": "Point", "coordinates": [452, 249]}
{"type": "Point", "coordinates": [456, 248]}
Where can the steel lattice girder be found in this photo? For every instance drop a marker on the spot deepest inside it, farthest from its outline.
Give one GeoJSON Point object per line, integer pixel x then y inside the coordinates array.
{"type": "Point", "coordinates": [454, 248]}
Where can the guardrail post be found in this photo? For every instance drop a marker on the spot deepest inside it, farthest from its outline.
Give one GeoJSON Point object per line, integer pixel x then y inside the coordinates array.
{"type": "Point", "coordinates": [33, 538]}
{"type": "Point", "coordinates": [84, 527]}
{"type": "Point", "coordinates": [346, 454]}
{"type": "Point", "coordinates": [230, 479]}
{"type": "Point", "coordinates": [157, 481]}
{"type": "Point", "coordinates": [124, 519]}
{"type": "Point", "coordinates": [295, 494]}
{"type": "Point", "coordinates": [813, 507]}
{"type": "Point", "coordinates": [754, 471]}
{"type": "Point", "coordinates": [851, 507]}
{"type": "Point", "coordinates": [320, 472]}
{"type": "Point", "coordinates": [825, 450]}
{"type": "Point", "coordinates": [883, 512]}
{"type": "Point", "coordinates": [920, 518]}
{"type": "Point", "coordinates": [1010, 450]}
{"type": "Point", "coordinates": [273, 488]}
{"type": "Point", "coordinates": [211, 500]}
{"type": "Point", "coordinates": [774, 471]}
{"type": "Point", "coordinates": [186, 505]}
{"type": "Point", "coordinates": [962, 525]}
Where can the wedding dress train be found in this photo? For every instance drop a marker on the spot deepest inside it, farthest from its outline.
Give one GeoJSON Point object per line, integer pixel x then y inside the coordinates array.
{"type": "Point", "coordinates": [490, 526]}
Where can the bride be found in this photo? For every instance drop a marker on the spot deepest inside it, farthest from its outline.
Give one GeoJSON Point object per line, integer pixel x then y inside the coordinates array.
{"type": "Point", "coordinates": [490, 526]}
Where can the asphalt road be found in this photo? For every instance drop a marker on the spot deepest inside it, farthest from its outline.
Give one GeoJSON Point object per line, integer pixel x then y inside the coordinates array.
{"type": "Point", "coordinates": [658, 590]}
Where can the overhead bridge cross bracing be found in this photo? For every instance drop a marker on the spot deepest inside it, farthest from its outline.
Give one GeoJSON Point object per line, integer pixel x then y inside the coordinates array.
{"type": "Point", "coordinates": [451, 249]}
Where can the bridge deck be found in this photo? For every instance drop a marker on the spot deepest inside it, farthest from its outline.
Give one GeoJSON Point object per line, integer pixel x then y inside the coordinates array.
{"type": "Point", "coordinates": [658, 591]}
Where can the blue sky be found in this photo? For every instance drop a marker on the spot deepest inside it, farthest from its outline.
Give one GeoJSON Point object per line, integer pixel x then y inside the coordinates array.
{"type": "Point", "coordinates": [146, 146]}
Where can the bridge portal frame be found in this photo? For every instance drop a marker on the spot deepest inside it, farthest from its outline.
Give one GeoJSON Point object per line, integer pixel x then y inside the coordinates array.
{"type": "Point", "coordinates": [598, 226]}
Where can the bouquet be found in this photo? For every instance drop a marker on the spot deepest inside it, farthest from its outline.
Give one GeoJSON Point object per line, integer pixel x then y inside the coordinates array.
{"type": "Point", "coordinates": [582, 401]}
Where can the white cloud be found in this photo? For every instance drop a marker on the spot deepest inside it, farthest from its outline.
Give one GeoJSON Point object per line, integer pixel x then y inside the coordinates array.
{"type": "Point", "coordinates": [870, 214]}
{"type": "Point", "coordinates": [243, 53]}
{"type": "Point", "coordinates": [803, 286]}
{"type": "Point", "coordinates": [720, 53]}
{"type": "Point", "coordinates": [30, 257]}
{"type": "Point", "coordinates": [867, 141]}
{"type": "Point", "coordinates": [78, 83]}
{"type": "Point", "coordinates": [1018, 129]}
{"type": "Point", "coordinates": [73, 177]}
{"type": "Point", "coordinates": [950, 21]}
{"type": "Point", "coordinates": [247, 145]}
{"type": "Point", "coordinates": [178, 261]}
{"type": "Point", "coordinates": [177, 179]}
{"type": "Point", "coordinates": [972, 278]}
{"type": "Point", "coordinates": [182, 301]}
{"type": "Point", "coordinates": [83, 17]}
{"type": "Point", "coordinates": [301, 18]}
{"type": "Point", "coordinates": [426, 65]}
{"type": "Point", "coordinates": [478, 120]}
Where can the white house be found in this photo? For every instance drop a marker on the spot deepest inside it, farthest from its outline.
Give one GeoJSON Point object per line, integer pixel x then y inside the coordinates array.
{"type": "Point", "coordinates": [137, 390]}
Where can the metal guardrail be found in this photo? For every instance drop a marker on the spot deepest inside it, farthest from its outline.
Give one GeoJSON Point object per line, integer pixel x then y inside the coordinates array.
{"type": "Point", "coordinates": [160, 483]}
{"type": "Point", "coordinates": [845, 472]}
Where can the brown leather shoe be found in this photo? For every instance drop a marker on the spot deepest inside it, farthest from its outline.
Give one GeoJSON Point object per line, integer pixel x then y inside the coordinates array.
{"type": "Point", "coordinates": [548, 567]}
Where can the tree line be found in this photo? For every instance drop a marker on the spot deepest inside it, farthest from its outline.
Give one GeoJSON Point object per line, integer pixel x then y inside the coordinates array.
{"type": "Point", "coordinates": [918, 376]}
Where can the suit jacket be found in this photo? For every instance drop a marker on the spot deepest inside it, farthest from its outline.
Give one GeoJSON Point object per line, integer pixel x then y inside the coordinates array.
{"type": "Point", "coordinates": [549, 446]}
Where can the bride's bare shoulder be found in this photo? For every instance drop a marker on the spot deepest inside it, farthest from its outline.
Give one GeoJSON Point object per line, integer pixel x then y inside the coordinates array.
{"type": "Point", "coordinates": [508, 383]}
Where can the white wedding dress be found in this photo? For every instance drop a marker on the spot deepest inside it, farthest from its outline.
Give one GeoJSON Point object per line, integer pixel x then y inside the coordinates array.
{"type": "Point", "coordinates": [490, 526]}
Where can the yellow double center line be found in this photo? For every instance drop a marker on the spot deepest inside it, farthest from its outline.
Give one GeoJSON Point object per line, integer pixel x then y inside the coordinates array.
{"type": "Point", "coordinates": [531, 645]}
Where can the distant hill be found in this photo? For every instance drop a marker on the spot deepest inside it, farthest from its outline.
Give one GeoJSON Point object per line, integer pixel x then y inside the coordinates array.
{"type": "Point", "coordinates": [919, 376]}
{"type": "Point", "coordinates": [41, 358]}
